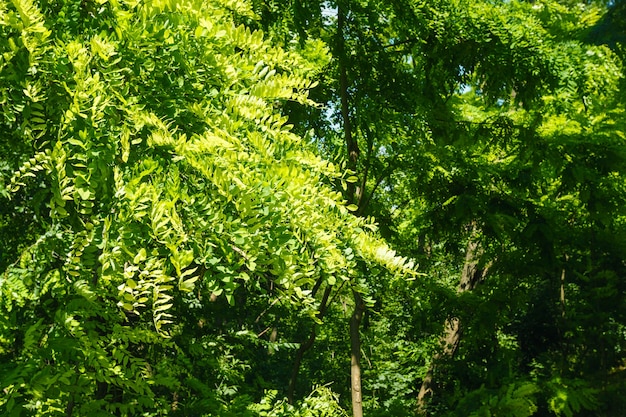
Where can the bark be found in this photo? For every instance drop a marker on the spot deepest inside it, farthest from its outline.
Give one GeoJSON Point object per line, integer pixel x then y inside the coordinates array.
{"type": "Point", "coordinates": [69, 409]}
{"type": "Point", "coordinates": [563, 293]}
{"type": "Point", "coordinates": [355, 350]}
{"type": "Point", "coordinates": [471, 275]}
{"type": "Point", "coordinates": [562, 322]}
{"type": "Point", "coordinates": [562, 290]}
{"type": "Point", "coordinates": [451, 341]}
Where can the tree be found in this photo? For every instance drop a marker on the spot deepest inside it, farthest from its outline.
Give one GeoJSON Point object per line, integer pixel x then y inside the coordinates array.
{"type": "Point", "coordinates": [164, 194]}
{"type": "Point", "coordinates": [494, 128]}
{"type": "Point", "coordinates": [173, 245]}
{"type": "Point", "coordinates": [506, 114]}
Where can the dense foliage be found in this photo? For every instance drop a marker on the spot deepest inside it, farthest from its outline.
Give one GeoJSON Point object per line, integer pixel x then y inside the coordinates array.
{"type": "Point", "coordinates": [189, 193]}
{"type": "Point", "coordinates": [163, 203]}
{"type": "Point", "coordinates": [490, 147]}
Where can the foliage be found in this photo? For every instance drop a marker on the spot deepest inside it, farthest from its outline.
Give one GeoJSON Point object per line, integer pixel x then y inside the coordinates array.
{"type": "Point", "coordinates": [570, 397]}
{"type": "Point", "coordinates": [321, 402]}
{"type": "Point", "coordinates": [150, 133]}
{"type": "Point", "coordinates": [514, 400]}
{"type": "Point", "coordinates": [501, 117]}
{"type": "Point", "coordinates": [174, 240]}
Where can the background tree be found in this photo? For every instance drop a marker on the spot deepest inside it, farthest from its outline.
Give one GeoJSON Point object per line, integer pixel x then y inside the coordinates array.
{"type": "Point", "coordinates": [492, 126]}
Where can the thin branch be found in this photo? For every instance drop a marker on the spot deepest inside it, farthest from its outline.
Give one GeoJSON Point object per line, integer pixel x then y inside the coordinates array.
{"type": "Point", "coordinates": [266, 310]}
{"type": "Point", "coordinates": [404, 42]}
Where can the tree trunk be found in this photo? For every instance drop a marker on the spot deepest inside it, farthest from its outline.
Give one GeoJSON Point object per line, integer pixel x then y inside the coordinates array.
{"type": "Point", "coordinates": [306, 345]}
{"type": "Point", "coordinates": [470, 277]}
{"type": "Point", "coordinates": [351, 143]}
{"type": "Point", "coordinates": [450, 340]}
{"type": "Point", "coordinates": [355, 350]}
{"type": "Point", "coordinates": [69, 409]}
{"type": "Point", "coordinates": [354, 196]}
{"type": "Point", "coordinates": [352, 146]}
{"type": "Point", "coordinates": [562, 292]}
{"type": "Point", "coordinates": [562, 322]}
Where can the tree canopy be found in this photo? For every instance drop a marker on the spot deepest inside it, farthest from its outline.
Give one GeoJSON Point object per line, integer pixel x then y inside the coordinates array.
{"type": "Point", "coordinates": [216, 208]}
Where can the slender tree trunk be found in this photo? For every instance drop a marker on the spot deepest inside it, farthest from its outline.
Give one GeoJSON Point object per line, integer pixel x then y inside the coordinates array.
{"type": "Point", "coordinates": [563, 321]}
{"type": "Point", "coordinates": [470, 277]}
{"type": "Point", "coordinates": [562, 296]}
{"type": "Point", "coordinates": [354, 195]}
{"type": "Point", "coordinates": [451, 340]}
{"type": "Point", "coordinates": [352, 146]}
{"type": "Point", "coordinates": [69, 409]}
{"type": "Point", "coordinates": [304, 346]}
{"type": "Point", "coordinates": [562, 291]}
{"type": "Point", "coordinates": [355, 350]}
